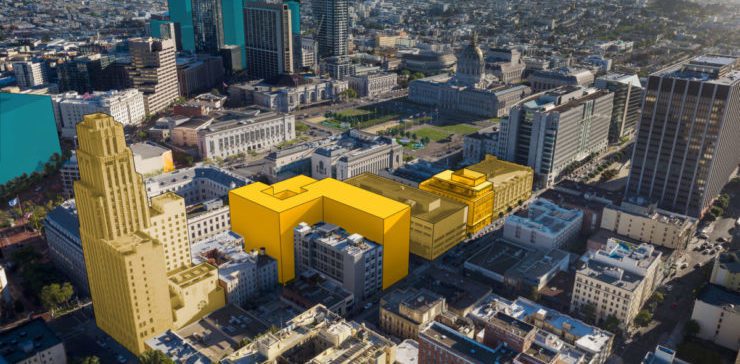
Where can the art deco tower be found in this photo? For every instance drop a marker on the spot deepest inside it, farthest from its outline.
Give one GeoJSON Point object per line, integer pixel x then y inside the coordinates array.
{"type": "Point", "coordinates": [128, 280]}
{"type": "Point", "coordinates": [138, 263]}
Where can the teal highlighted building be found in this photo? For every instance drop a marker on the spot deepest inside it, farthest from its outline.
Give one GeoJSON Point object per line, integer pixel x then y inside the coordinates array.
{"type": "Point", "coordinates": [28, 134]}
{"type": "Point", "coordinates": [181, 13]}
{"type": "Point", "coordinates": [295, 15]}
{"type": "Point", "coordinates": [233, 18]}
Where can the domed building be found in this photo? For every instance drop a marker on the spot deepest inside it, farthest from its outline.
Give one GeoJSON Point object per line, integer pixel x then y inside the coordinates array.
{"type": "Point", "coordinates": [471, 90]}
{"type": "Point", "coordinates": [471, 66]}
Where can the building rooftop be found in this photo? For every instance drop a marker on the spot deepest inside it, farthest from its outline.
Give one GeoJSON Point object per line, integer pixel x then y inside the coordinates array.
{"type": "Point", "coordinates": [317, 336]}
{"type": "Point", "coordinates": [498, 171]}
{"type": "Point", "coordinates": [415, 300]}
{"type": "Point", "coordinates": [460, 293]}
{"type": "Point", "coordinates": [547, 217]}
{"type": "Point", "coordinates": [407, 352]}
{"type": "Point", "coordinates": [515, 325]}
{"type": "Point", "coordinates": [222, 331]}
{"type": "Point", "coordinates": [625, 78]}
{"type": "Point", "coordinates": [466, 347]}
{"type": "Point", "coordinates": [611, 275]}
{"type": "Point", "coordinates": [590, 339]}
{"type": "Point", "coordinates": [212, 174]}
{"type": "Point", "coordinates": [720, 296]}
{"type": "Point", "coordinates": [640, 206]}
{"type": "Point", "coordinates": [421, 300]}
{"type": "Point", "coordinates": [148, 149]}
{"type": "Point", "coordinates": [26, 340]}
{"type": "Point", "coordinates": [311, 288]}
{"type": "Point", "coordinates": [730, 261]}
{"type": "Point", "coordinates": [65, 215]}
{"type": "Point", "coordinates": [177, 348]}
{"type": "Point", "coordinates": [635, 258]}
{"type": "Point", "coordinates": [220, 248]}
{"type": "Point", "coordinates": [225, 120]}
{"type": "Point", "coordinates": [465, 178]}
{"type": "Point", "coordinates": [338, 238]}
{"type": "Point", "coordinates": [188, 276]}
{"type": "Point", "coordinates": [424, 205]}
{"type": "Point", "coordinates": [301, 189]}
{"type": "Point", "coordinates": [719, 69]}
{"type": "Point", "coordinates": [662, 355]}
{"type": "Point", "coordinates": [500, 257]}
{"type": "Point", "coordinates": [569, 193]}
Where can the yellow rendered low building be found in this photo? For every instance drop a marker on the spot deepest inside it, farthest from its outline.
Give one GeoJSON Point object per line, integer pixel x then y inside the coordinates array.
{"type": "Point", "coordinates": [129, 246]}
{"type": "Point", "coordinates": [194, 293]}
{"type": "Point", "coordinates": [266, 216]}
{"type": "Point", "coordinates": [512, 183]}
{"type": "Point", "coordinates": [194, 290]}
{"type": "Point", "coordinates": [466, 186]}
{"type": "Point", "coordinates": [437, 223]}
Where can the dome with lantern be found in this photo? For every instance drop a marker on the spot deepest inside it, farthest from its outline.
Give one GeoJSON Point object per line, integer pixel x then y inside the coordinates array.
{"type": "Point", "coordinates": [471, 66]}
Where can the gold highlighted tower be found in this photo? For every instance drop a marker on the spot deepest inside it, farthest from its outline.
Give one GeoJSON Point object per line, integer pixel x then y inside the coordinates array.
{"type": "Point", "coordinates": [137, 255]}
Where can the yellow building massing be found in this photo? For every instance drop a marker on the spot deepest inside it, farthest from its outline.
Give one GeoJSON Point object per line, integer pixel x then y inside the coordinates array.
{"type": "Point", "coordinates": [193, 295]}
{"type": "Point", "coordinates": [129, 247]}
{"type": "Point", "coordinates": [466, 186]}
{"type": "Point", "coordinates": [512, 183]}
{"type": "Point", "coordinates": [437, 223]}
{"type": "Point", "coordinates": [266, 216]}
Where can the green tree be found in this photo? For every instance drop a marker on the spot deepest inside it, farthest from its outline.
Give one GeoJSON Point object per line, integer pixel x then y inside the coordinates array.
{"type": "Point", "coordinates": [643, 318]}
{"type": "Point", "coordinates": [36, 220]}
{"type": "Point", "coordinates": [692, 328]}
{"type": "Point", "coordinates": [88, 360]}
{"type": "Point", "coordinates": [723, 201]}
{"type": "Point", "coordinates": [25, 255]}
{"type": "Point", "coordinates": [589, 312]}
{"type": "Point", "coordinates": [348, 94]}
{"type": "Point", "coordinates": [716, 211]}
{"type": "Point", "coordinates": [658, 297]}
{"type": "Point", "coordinates": [154, 357]}
{"type": "Point", "coordinates": [244, 342]}
{"type": "Point", "coordinates": [417, 75]}
{"type": "Point", "coordinates": [5, 219]}
{"type": "Point", "coordinates": [55, 295]}
{"type": "Point", "coordinates": [611, 323]}
{"type": "Point", "coordinates": [534, 293]}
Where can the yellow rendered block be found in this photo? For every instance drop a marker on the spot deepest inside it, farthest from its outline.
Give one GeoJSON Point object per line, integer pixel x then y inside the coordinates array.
{"type": "Point", "coordinates": [266, 216]}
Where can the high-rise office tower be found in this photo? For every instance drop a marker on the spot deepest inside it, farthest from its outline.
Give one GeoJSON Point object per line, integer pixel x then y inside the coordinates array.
{"type": "Point", "coordinates": [685, 149]}
{"type": "Point", "coordinates": [204, 26]}
{"type": "Point", "coordinates": [627, 101]}
{"type": "Point", "coordinates": [127, 277]}
{"type": "Point", "coordinates": [154, 71]}
{"type": "Point", "coordinates": [137, 255]}
{"type": "Point", "coordinates": [30, 74]}
{"type": "Point", "coordinates": [85, 73]}
{"type": "Point", "coordinates": [233, 26]}
{"type": "Point", "coordinates": [269, 40]}
{"type": "Point", "coordinates": [332, 17]}
{"type": "Point", "coordinates": [550, 131]}
{"type": "Point", "coordinates": [208, 26]}
{"type": "Point", "coordinates": [295, 27]}
{"type": "Point", "coordinates": [181, 14]}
